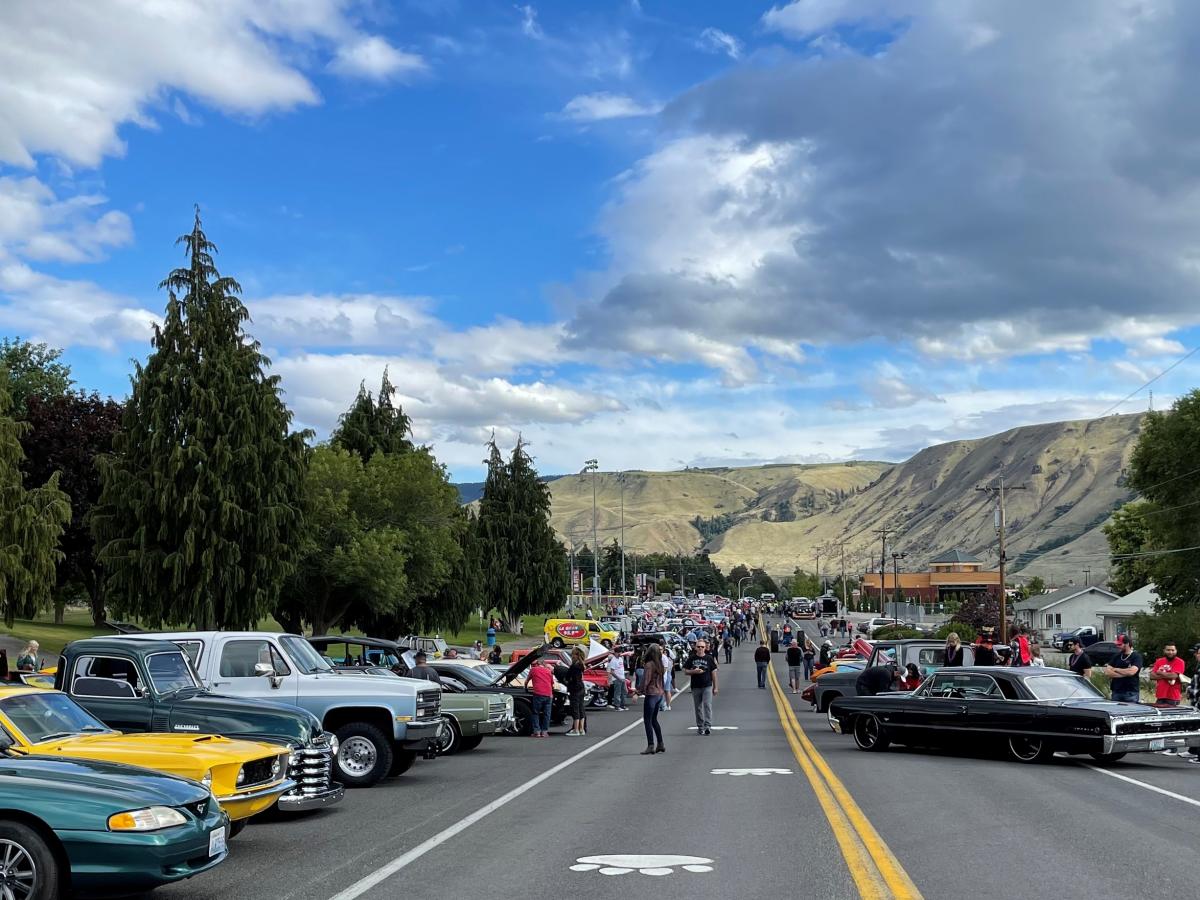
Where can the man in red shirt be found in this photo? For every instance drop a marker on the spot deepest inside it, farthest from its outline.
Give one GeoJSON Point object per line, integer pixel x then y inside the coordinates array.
{"type": "Point", "coordinates": [1168, 687]}
{"type": "Point", "coordinates": [541, 685]}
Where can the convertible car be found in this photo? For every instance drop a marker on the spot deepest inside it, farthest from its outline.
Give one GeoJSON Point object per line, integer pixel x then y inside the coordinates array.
{"type": "Point", "coordinates": [1030, 712]}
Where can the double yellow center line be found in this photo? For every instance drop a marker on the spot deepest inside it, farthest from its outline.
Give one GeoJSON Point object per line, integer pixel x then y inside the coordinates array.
{"type": "Point", "coordinates": [877, 873]}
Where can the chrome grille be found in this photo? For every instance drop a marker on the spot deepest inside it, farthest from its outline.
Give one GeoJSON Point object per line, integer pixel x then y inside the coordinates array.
{"type": "Point", "coordinates": [1158, 726]}
{"type": "Point", "coordinates": [429, 704]}
{"type": "Point", "coordinates": [311, 768]}
{"type": "Point", "coordinates": [257, 772]}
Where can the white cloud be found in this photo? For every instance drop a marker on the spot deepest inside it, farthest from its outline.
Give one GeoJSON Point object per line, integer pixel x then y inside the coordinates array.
{"type": "Point", "coordinates": [81, 69]}
{"type": "Point", "coordinates": [529, 22]}
{"type": "Point", "coordinates": [374, 58]}
{"type": "Point", "coordinates": [601, 106]}
{"type": "Point", "coordinates": [35, 224]}
{"type": "Point", "coordinates": [714, 40]}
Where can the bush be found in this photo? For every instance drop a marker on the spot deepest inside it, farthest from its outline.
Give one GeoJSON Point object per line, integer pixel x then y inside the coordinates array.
{"type": "Point", "coordinates": [1179, 625]}
{"type": "Point", "coordinates": [895, 632]}
{"type": "Point", "coordinates": [966, 633]}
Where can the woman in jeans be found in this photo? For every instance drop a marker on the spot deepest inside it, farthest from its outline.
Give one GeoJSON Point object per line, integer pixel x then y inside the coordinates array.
{"type": "Point", "coordinates": [668, 661]}
{"type": "Point", "coordinates": [653, 702]}
{"type": "Point", "coordinates": [576, 690]}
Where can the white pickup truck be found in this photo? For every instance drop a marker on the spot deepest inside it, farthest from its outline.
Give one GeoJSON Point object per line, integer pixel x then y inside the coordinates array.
{"type": "Point", "coordinates": [382, 724]}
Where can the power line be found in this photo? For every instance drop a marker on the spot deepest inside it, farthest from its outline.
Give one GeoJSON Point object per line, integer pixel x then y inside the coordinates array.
{"type": "Point", "coordinates": [1168, 481]}
{"type": "Point", "coordinates": [1177, 362]}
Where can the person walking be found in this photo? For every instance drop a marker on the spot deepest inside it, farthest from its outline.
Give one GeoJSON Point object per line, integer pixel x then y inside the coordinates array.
{"type": "Point", "coordinates": [753, 630]}
{"type": "Point", "coordinates": [1124, 670]}
{"type": "Point", "coordinates": [762, 659]}
{"type": "Point", "coordinates": [576, 691]}
{"type": "Point", "coordinates": [795, 657]}
{"type": "Point", "coordinates": [668, 661]}
{"type": "Point", "coordinates": [616, 673]}
{"type": "Point", "coordinates": [541, 685]}
{"type": "Point", "coordinates": [701, 665]}
{"type": "Point", "coordinates": [654, 693]}
{"type": "Point", "coordinates": [808, 657]}
{"type": "Point", "coordinates": [27, 660]}
{"type": "Point", "coordinates": [727, 645]}
{"type": "Point", "coordinates": [826, 656]}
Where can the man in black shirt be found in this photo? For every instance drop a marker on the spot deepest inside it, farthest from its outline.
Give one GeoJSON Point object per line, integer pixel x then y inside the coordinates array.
{"type": "Point", "coordinates": [795, 661]}
{"type": "Point", "coordinates": [1078, 662]}
{"type": "Point", "coordinates": [874, 680]}
{"type": "Point", "coordinates": [1124, 670]}
{"type": "Point", "coordinates": [701, 665]}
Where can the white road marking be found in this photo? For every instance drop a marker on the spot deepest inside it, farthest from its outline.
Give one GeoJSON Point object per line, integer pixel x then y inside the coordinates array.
{"type": "Point", "coordinates": [654, 865]}
{"type": "Point", "coordinates": [740, 772]}
{"type": "Point", "coordinates": [718, 728]}
{"type": "Point", "coordinates": [1149, 787]}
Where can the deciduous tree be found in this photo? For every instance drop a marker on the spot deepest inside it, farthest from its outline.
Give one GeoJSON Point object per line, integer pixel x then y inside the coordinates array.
{"type": "Point", "coordinates": [33, 370]}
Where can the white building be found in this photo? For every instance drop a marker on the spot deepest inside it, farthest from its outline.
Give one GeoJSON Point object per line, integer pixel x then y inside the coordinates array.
{"type": "Point", "coordinates": [1115, 617]}
{"type": "Point", "coordinates": [1064, 609]}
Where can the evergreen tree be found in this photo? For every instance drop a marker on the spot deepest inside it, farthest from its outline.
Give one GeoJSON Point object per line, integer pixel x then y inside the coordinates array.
{"type": "Point", "coordinates": [373, 426]}
{"type": "Point", "coordinates": [462, 593]}
{"type": "Point", "coordinates": [525, 566]}
{"type": "Point", "coordinates": [31, 522]}
{"type": "Point", "coordinates": [199, 517]}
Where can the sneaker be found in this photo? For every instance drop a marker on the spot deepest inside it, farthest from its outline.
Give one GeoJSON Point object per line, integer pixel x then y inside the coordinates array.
{"type": "Point", "coordinates": [707, 731]}
{"type": "Point", "coordinates": [1166, 752]}
{"type": "Point", "coordinates": [1194, 760]}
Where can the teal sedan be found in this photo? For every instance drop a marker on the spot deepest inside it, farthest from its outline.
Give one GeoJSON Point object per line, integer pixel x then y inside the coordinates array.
{"type": "Point", "coordinates": [93, 827]}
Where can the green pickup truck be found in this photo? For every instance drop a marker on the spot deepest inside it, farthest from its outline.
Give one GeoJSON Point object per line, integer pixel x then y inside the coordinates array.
{"type": "Point", "coordinates": [467, 717]}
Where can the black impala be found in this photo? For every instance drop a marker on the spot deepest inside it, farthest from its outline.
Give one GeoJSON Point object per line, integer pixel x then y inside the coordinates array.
{"type": "Point", "coordinates": [1030, 712]}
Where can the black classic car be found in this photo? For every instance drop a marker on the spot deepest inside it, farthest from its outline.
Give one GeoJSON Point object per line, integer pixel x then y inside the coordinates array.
{"type": "Point", "coordinates": [1030, 712]}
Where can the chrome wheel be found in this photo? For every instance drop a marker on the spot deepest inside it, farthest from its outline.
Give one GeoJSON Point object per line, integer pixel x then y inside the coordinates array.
{"type": "Point", "coordinates": [18, 872]}
{"type": "Point", "coordinates": [357, 756]}
{"type": "Point", "coordinates": [1027, 749]}
{"type": "Point", "coordinates": [869, 733]}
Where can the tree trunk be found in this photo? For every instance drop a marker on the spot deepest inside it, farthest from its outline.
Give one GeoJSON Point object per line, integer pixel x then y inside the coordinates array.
{"type": "Point", "coordinates": [60, 608]}
{"type": "Point", "coordinates": [94, 581]}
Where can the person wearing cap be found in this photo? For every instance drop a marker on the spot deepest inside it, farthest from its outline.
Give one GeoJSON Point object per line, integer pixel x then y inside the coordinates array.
{"type": "Point", "coordinates": [826, 657]}
{"type": "Point", "coordinates": [423, 670]}
{"type": "Point", "coordinates": [1078, 661]}
{"type": "Point", "coordinates": [1124, 670]}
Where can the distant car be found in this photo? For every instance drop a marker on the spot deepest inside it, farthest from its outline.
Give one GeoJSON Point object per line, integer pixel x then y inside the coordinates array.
{"type": "Point", "coordinates": [873, 625]}
{"type": "Point", "coordinates": [1086, 635]}
{"type": "Point", "coordinates": [1102, 653]}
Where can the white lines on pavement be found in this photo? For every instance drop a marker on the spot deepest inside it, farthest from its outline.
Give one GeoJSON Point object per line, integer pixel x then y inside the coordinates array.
{"type": "Point", "coordinates": [718, 728]}
{"type": "Point", "coordinates": [384, 872]}
{"type": "Point", "coordinates": [624, 863]}
{"type": "Point", "coordinates": [739, 772]}
{"type": "Point", "coordinates": [1142, 784]}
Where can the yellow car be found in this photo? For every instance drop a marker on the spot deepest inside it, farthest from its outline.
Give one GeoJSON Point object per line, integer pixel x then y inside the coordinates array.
{"type": "Point", "coordinates": [561, 632]}
{"type": "Point", "coordinates": [246, 777]}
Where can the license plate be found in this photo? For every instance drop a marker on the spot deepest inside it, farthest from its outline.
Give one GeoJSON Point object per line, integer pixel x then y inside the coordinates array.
{"type": "Point", "coordinates": [1158, 744]}
{"type": "Point", "coordinates": [216, 842]}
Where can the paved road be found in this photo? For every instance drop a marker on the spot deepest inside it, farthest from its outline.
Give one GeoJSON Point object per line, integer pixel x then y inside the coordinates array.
{"type": "Point", "coordinates": [955, 825]}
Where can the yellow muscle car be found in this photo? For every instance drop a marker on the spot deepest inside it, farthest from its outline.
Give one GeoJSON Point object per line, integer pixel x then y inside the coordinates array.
{"type": "Point", "coordinates": [246, 777]}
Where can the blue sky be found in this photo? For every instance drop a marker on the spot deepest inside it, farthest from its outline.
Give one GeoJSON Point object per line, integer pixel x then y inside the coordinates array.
{"type": "Point", "coordinates": [660, 234]}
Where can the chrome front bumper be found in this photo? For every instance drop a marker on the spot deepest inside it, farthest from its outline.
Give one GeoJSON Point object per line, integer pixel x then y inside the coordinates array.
{"type": "Point", "coordinates": [1133, 743]}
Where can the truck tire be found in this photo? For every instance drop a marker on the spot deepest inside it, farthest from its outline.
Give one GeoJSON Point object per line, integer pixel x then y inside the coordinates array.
{"type": "Point", "coordinates": [402, 762]}
{"type": "Point", "coordinates": [471, 743]}
{"type": "Point", "coordinates": [523, 713]}
{"type": "Point", "coordinates": [558, 643]}
{"type": "Point", "coordinates": [32, 862]}
{"type": "Point", "coordinates": [364, 756]}
{"type": "Point", "coordinates": [449, 739]}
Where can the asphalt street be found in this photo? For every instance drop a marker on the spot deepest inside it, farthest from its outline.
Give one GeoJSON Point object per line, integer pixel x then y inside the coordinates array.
{"type": "Point", "coordinates": [593, 818]}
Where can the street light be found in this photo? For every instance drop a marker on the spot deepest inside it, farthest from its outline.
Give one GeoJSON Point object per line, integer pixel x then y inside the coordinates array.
{"type": "Point", "coordinates": [740, 580]}
{"type": "Point", "coordinates": [592, 465]}
{"type": "Point", "coordinates": [896, 557]}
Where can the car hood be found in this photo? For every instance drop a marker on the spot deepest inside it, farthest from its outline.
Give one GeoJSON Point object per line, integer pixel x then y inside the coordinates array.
{"type": "Point", "coordinates": [229, 715]}
{"type": "Point", "coordinates": [521, 664]}
{"type": "Point", "coordinates": [152, 750]}
{"type": "Point", "coordinates": [354, 684]}
{"type": "Point", "coordinates": [125, 787]}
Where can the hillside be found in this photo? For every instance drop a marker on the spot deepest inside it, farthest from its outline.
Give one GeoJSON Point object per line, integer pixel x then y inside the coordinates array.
{"type": "Point", "coordinates": [776, 516]}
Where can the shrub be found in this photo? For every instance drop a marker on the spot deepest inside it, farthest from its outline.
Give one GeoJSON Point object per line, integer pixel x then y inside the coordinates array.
{"type": "Point", "coordinates": [895, 632]}
{"type": "Point", "coordinates": [966, 633]}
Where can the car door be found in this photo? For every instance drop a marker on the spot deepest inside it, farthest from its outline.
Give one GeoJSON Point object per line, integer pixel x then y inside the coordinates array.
{"type": "Point", "coordinates": [934, 714]}
{"type": "Point", "coordinates": [999, 713]}
{"type": "Point", "coordinates": [238, 668]}
{"type": "Point", "coordinates": [110, 689]}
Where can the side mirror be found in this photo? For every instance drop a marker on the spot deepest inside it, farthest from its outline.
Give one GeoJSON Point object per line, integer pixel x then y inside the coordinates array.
{"type": "Point", "coordinates": [264, 669]}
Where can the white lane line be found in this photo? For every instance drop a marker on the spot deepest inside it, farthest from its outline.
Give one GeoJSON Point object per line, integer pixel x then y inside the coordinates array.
{"type": "Point", "coordinates": [384, 872]}
{"type": "Point", "coordinates": [1149, 787]}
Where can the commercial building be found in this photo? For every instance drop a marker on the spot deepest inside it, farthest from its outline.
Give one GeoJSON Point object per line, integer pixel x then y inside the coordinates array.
{"type": "Point", "coordinates": [956, 573]}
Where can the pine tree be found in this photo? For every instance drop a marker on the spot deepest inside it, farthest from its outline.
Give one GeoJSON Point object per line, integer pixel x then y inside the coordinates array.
{"type": "Point", "coordinates": [372, 426]}
{"type": "Point", "coordinates": [536, 557]}
{"type": "Point", "coordinates": [31, 522]}
{"type": "Point", "coordinates": [198, 512]}
{"type": "Point", "coordinates": [494, 530]}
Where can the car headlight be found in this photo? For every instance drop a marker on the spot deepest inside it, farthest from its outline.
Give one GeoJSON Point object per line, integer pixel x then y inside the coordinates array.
{"type": "Point", "coordinates": [241, 775]}
{"type": "Point", "coordinates": [152, 818]}
{"type": "Point", "coordinates": [276, 767]}
{"type": "Point", "coordinates": [207, 779]}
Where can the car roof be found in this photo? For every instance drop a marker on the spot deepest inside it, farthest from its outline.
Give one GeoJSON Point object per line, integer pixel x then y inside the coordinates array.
{"type": "Point", "coordinates": [356, 639]}
{"type": "Point", "coordinates": [123, 643]}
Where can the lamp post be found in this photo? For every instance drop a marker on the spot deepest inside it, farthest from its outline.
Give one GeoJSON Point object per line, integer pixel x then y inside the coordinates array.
{"type": "Point", "coordinates": [896, 557]}
{"type": "Point", "coordinates": [740, 580]}
{"type": "Point", "coordinates": [592, 465]}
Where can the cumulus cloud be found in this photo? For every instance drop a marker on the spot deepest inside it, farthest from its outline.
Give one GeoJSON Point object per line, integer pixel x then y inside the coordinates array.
{"type": "Point", "coordinates": [374, 58]}
{"type": "Point", "coordinates": [81, 69]}
{"type": "Point", "coordinates": [601, 106]}
{"type": "Point", "coordinates": [714, 40]}
{"type": "Point", "coordinates": [36, 224]}
{"type": "Point", "coordinates": [1044, 196]}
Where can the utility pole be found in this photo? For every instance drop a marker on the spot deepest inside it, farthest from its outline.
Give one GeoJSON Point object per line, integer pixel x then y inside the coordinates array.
{"type": "Point", "coordinates": [998, 491]}
{"type": "Point", "coordinates": [819, 571]}
{"type": "Point", "coordinates": [845, 602]}
{"type": "Point", "coordinates": [621, 475]}
{"type": "Point", "coordinates": [896, 557]}
{"type": "Point", "coordinates": [592, 465]}
{"type": "Point", "coordinates": [883, 536]}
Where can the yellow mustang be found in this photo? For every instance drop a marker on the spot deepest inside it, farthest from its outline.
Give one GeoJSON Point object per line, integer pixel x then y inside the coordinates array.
{"type": "Point", "coordinates": [246, 777]}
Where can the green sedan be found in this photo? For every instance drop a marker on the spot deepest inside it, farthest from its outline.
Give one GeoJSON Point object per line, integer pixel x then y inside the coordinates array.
{"type": "Point", "coordinates": [70, 826]}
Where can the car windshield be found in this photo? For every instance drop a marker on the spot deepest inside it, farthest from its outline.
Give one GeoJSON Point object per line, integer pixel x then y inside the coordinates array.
{"type": "Point", "coordinates": [476, 676]}
{"type": "Point", "coordinates": [307, 659]}
{"type": "Point", "coordinates": [170, 672]}
{"type": "Point", "coordinates": [1062, 687]}
{"type": "Point", "coordinates": [43, 716]}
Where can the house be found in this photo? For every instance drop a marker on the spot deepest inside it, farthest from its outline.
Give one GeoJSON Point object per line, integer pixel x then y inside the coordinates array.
{"type": "Point", "coordinates": [1064, 609]}
{"type": "Point", "coordinates": [1115, 617]}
